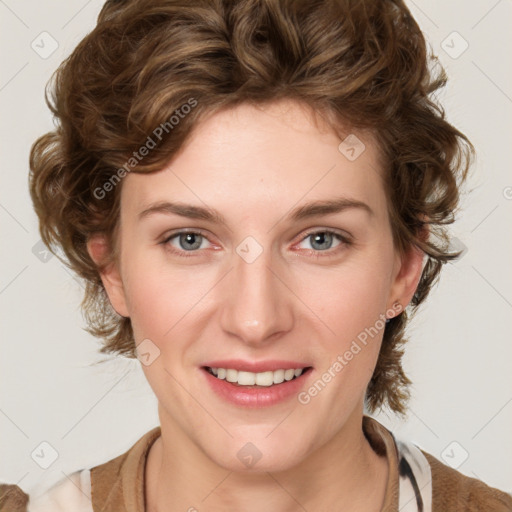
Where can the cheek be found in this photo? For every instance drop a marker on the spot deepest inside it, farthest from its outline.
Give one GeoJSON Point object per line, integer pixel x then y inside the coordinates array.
{"type": "Point", "coordinates": [160, 297]}
{"type": "Point", "coordinates": [350, 298]}
{"type": "Point", "coordinates": [351, 303]}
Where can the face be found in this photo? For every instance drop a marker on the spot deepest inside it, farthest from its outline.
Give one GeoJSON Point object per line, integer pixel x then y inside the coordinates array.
{"type": "Point", "coordinates": [259, 250]}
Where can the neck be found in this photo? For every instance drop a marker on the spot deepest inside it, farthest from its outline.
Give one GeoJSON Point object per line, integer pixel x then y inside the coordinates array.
{"type": "Point", "coordinates": [344, 474]}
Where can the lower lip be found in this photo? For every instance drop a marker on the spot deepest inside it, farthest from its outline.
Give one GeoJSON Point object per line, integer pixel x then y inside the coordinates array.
{"type": "Point", "coordinates": [256, 397]}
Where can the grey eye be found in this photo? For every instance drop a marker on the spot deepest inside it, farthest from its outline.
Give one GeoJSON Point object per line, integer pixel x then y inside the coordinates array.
{"type": "Point", "coordinates": [322, 240]}
{"type": "Point", "coordinates": [190, 241]}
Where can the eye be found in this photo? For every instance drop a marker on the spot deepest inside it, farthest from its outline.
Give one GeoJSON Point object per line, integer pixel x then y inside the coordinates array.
{"type": "Point", "coordinates": [321, 241]}
{"type": "Point", "coordinates": [185, 241]}
{"type": "Point", "coordinates": [325, 241]}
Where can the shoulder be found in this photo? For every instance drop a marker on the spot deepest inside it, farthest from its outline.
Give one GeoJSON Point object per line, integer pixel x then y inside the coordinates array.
{"type": "Point", "coordinates": [456, 492]}
{"type": "Point", "coordinates": [106, 486]}
{"type": "Point", "coordinates": [12, 498]}
{"type": "Point", "coordinates": [420, 482]}
{"type": "Point", "coordinates": [70, 494]}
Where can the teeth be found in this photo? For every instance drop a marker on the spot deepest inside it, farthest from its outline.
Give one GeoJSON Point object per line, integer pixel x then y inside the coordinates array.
{"type": "Point", "coordinates": [264, 378]}
{"type": "Point", "coordinates": [259, 379]}
{"type": "Point", "coordinates": [246, 378]}
{"type": "Point", "coordinates": [278, 376]}
{"type": "Point", "coordinates": [231, 375]}
{"type": "Point", "coordinates": [289, 374]}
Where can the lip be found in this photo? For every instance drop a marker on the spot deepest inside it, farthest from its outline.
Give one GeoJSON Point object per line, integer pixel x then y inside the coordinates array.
{"type": "Point", "coordinates": [256, 397]}
{"type": "Point", "coordinates": [256, 366]}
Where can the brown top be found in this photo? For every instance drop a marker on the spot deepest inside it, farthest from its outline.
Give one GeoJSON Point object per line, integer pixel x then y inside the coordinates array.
{"type": "Point", "coordinates": [118, 485]}
{"type": "Point", "coordinates": [130, 468]}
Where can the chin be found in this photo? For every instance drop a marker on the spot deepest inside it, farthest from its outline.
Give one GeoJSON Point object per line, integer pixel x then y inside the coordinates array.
{"type": "Point", "coordinates": [257, 452]}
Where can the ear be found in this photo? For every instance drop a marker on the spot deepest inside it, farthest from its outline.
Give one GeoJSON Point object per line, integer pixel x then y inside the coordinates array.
{"type": "Point", "coordinates": [407, 274]}
{"type": "Point", "coordinates": [98, 249]}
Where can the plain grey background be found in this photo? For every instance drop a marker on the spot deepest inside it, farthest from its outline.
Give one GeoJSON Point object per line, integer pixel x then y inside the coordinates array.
{"type": "Point", "coordinates": [460, 353]}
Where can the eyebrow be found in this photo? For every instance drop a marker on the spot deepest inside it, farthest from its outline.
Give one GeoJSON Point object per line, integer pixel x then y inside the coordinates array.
{"type": "Point", "coordinates": [312, 209]}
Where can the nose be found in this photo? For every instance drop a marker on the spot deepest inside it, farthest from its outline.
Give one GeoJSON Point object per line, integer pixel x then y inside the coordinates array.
{"type": "Point", "coordinates": [257, 305]}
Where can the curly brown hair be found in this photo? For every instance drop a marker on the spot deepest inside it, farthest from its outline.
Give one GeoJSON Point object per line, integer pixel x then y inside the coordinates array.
{"type": "Point", "coordinates": [359, 63]}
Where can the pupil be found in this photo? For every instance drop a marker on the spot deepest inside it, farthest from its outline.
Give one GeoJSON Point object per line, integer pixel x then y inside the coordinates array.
{"type": "Point", "coordinates": [324, 240]}
{"type": "Point", "coordinates": [188, 238]}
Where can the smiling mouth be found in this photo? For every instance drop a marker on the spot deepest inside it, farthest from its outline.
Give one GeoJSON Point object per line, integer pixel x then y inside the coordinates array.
{"type": "Point", "coordinates": [260, 379]}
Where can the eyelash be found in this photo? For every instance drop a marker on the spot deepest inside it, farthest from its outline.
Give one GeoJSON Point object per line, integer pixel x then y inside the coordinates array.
{"type": "Point", "coordinates": [345, 242]}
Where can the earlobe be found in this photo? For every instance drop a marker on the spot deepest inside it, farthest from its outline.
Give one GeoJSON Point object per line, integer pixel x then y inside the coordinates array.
{"type": "Point", "coordinates": [98, 249]}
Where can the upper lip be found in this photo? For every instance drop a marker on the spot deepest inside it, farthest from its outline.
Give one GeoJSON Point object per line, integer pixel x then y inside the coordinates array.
{"type": "Point", "coordinates": [256, 366]}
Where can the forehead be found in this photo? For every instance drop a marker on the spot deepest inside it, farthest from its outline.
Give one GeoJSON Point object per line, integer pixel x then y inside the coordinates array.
{"type": "Point", "coordinates": [268, 156]}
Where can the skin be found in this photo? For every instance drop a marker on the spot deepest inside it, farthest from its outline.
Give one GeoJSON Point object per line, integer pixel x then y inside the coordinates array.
{"type": "Point", "coordinates": [254, 165]}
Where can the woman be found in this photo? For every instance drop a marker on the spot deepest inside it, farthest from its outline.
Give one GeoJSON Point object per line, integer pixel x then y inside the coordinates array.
{"type": "Point", "coordinates": [255, 194]}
